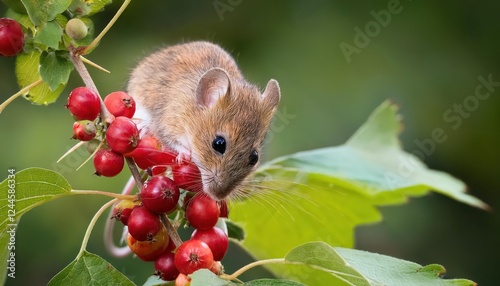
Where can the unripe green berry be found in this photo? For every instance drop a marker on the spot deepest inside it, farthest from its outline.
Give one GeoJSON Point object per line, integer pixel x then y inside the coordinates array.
{"type": "Point", "coordinates": [76, 29]}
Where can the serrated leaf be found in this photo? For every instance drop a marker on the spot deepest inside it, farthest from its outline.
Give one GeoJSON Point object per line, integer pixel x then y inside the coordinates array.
{"type": "Point", "coordinates": [42, 11]}
{"type": "Point", "coordinates": [33, 187]}
{"type": "Point", "coordinates": [235, 231]}
{"type": "Point", "coordinates": [356, 267]}
{"type": "Point", "coordinates": [324, 194]}
{"type": "Point", "coordinates": [204, 277]}
{"type": "Point", "coordinates": [89, 269]}
{"type": "Point", "coordinates": [48, 35]}
{"type": "Point", "coordinates": [27, 72]}
{"type": "Point", "coordinates": [55, 68]}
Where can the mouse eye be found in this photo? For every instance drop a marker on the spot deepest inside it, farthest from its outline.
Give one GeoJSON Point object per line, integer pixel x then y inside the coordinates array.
{"type": "Point", "coordinates": [254, 157]}
{"type": "Point", "coordinates": [219, 144]}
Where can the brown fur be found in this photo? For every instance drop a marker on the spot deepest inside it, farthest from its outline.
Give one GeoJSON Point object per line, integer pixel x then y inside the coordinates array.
{"type": "Point", "coordinates": [165, 85]}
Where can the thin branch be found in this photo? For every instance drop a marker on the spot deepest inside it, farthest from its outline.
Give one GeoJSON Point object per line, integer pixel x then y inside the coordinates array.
{"type": "Point", "coordinates": [252, 265]}
{"type": "Point", "coordinates": [135, 172]}
{"type": "Point", "coordinates": [91, 63]}
{"type": "Point", "coordinates": [18, 94]}
{"type": "Point", "coordinates": [91, 155]}
{"type": "Point", "coordinates": [87, 79]}
{"type": "Point", "coordinates": [172, 232]}
{"type": "Point", "coordinates": [91, 226]}
{"type": "Point", "coordinates": [106, 29]}
{"type": "Point", "coordinates": [113, 195]}
{"type": "Point", "coordinates": [77, 145]}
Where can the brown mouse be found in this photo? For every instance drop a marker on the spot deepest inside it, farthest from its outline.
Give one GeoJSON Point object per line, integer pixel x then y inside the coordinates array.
{"type": "Point", "coordinates": [193, 98]}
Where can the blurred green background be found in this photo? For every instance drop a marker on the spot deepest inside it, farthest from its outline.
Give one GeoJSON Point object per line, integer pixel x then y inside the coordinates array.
{"type": "Point", "coordinates": [426, 58]}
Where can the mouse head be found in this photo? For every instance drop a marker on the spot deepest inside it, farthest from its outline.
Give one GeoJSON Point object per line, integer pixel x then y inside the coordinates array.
{"type": "Point", "coordinates": [234, 119]}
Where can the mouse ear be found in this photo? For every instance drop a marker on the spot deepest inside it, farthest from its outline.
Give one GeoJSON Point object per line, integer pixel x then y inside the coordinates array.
{"type": "Point", "coordinates": [213, 85]}
{"type": "Point", "coordinates": [271, 95]}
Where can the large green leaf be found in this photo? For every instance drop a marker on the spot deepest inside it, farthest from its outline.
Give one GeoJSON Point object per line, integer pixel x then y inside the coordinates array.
{"type": "Point", "coordinates": [324, 194]}
{"type": "Point", "coordinates": [27, 72]}
{"type": "Point", "coordinates": [89, 269]}
{"type": "Point", "coordinates": [19, 193]}
{"type": "Point", "coordinates": [356, 267]}
{"type": "Point", "coordinates": [42, 11]}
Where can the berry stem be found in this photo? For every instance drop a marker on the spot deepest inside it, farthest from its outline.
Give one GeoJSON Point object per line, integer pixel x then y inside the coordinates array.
{"type": "Point", "coordinates": [252, 265]}
{"type": "Point", "coordinates": [172, 232]}
{"type": "Point", "coordinates": [91, 226]}
{"type": "Point", "coordinates": [113, 195]}
{"type": "Point", "coordinates": [135, 172]}
{"type": "Point", "coordinates": [87, 79]}
{"type": "Point", "coordinates": [19, 93]}
{"type": "Point", "coordinates": [106, 29]}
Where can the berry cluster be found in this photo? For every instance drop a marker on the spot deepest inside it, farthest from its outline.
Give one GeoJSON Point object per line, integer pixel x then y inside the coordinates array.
{"type": "Point", "coordinates": [159, 197]}
{"type": "Point", "coordinates": [148, 238]}
{"type": "Point", "coordinates": [122, 135]}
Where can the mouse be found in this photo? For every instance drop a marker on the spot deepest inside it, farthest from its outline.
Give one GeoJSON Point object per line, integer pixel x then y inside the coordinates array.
{"type": "Point", "coordinates": [194, 99]}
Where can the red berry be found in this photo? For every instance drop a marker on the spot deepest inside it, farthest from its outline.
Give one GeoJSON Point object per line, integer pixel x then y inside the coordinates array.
{"type": "Point", "coordinates": [123, 209]}
{"type": "Point", "coordinates": [142, 224]}
{"type": "Point", "coordinates": [122, 135]}
{"type": "Point", "coordinates": [84, 130]}
{"type": "Point", "coordinates": [202, 212]}
{"type": "Point", "coordinates": [149, 250]}
{"type": "Point", "coordinates": [160, 195]}
{"type": "Point", "coordinates": [149, 153]}
{"type": "Point", "coordinates": [193, 255]}
{"type": "Point", "coordinates": [187, 176]}
{"type": "Point", "coordinates": [84, 103]}
{"type": "Point", "coordinates": [215, 238]}
{"type": "Point", "coordinates": [120, 103]}
{"type": "Point", "coordinates": [11, 37]}
{"type": "Point", "coordinates": [224, 210]}
{"type": "Point", "coordinates": [108, 163]}
{"type": "Point", "coordinates": [165, 266]}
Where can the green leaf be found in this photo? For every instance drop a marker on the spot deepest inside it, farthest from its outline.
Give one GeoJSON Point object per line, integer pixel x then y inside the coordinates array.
{"type": "Point", "coordinates": [97, 6]}
{"type": "Point", "coordinates": [235, 231]}
{"type": "Point", "coordinates": [90, 269]}
{"type": "Point", "coordinates": [48, 35]}
{"type": "Point", "coordinates": [27, 72]}
{"type": "Point", "coordinates": [204, 277]}
{"type": "Point", "coordinates": [55, 68]}
{"type": "Point", "coordinates": [356, 267]}
{"type": "Point", "coordinates": [23, 19]}
{"type": "Point", "coordinates": [42, 11]}
{"type": "Point", "coordinates": [21, 192]}
{"type": "Point", "coordinates": [272, 282]}
{"type": "Point", "coordinates": [324, 194]}
{"type": "Point", "coordinates": [154, 280]}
